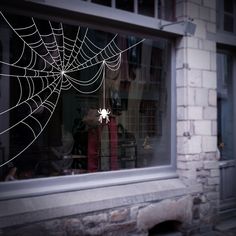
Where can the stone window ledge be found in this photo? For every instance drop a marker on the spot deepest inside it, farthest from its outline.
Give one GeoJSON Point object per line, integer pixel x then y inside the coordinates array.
{"type": "Point", "coordinates": [37, 208]}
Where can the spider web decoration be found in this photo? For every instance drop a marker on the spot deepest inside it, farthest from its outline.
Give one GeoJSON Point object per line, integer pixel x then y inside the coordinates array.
{"type": "Point", "coordinates": [47, 64]}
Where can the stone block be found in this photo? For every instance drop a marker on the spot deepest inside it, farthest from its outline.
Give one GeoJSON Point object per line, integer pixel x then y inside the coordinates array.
{"type": "Point", "coordinates": [211, 165]}
{"type": "Point", "coordinates": [209, 143]}
{"type": "Point", "coordinates": [195, 112]}
{"type": "Point", "coordinates": [204, 13]}
{"type": "Point", "coordinates": [182, 113]}
{"type": "Point", "coordinates": [201, 97]}
{"type": "Point", "coordinates": [181, 81]}
{"type": "Point", "coordinates": [189, 174]}
{"type": "Point", "coordinates": [207, 45]}
{"type": "Point", "coordinates": [194, 78]}
{"type": "Point", "coordinates": [214, 172]}
{"type": "Point", "coordinates": [179, 58]}
{"type": "Point", "coordinates": [213, 15]}
{"type": "Point", "coordinates": [95, 219]}
{"type": "Point", "coordinates": [191, 96]}
{"type": "Point", "coordinates": [198, 59]}
{"type": "Point", "coordinates": [213, 181]}
{"type": "Point", "coordinates": [214, 127]}
{"type": "Point", "coordinates": [200, 29]}
{"type": "Point", "coordinates": [181, 96]}
{"type": "Point", "coordinates": [134, 212]}
{"type": "Point", "coordinates": [213, 61]}
{"type": "Point", "coordinates": [210, 113]}
{"type": "Point", "coordinates": [209, 79]}
{"type": "Point", "coordinates": [192, 42]}
{"type": "Point", "coordinates": [189, 157]}
{"type": "Point", "coordinates": [194, 145]}
{"type": "Point", "coordinates": [212, 196]}
{"type": "Point", "coordinates": [195, 165]}
{"type": "Point", "coordinates": [182, 145]}
{"type": "Point", "coordinates": [211, 27]}
{"type": "Point", "coordinates": [202, 127]}
{"type": "Point", "coordinates": [182, 165]}
{"type": "Point", "coordinates": [119, 215]}
{"type": "Point", "coordinates": [212, 97]}
{"type": "Point", "coordinates": [182, 127]}
{"type": "Point", "coordinates": [171, 209]}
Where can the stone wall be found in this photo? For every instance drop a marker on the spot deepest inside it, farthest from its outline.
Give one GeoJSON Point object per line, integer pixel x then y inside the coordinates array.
{"type": "Point", "coordinates": [133, 220]}
{"type": "Point", "coordinates": [196, 109]}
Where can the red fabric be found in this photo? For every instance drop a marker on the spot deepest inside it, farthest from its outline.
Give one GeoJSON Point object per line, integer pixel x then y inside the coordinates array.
{"type": "Point", "coordinates": [94, 140]}
{"type": "Point", "coordinates": [93, 149]}
{"type": "Point", "coordinates": [113, 143]}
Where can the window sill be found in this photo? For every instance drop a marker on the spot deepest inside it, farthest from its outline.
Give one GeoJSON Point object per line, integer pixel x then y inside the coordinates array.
{"type": "Point", "coordinates": [33, 209]}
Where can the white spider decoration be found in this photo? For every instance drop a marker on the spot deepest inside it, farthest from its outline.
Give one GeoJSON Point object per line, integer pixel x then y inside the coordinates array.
{"type": "Point", "coordinates": [104, 114]}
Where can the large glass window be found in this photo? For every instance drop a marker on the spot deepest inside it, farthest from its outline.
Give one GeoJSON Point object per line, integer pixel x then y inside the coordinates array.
{"type": "Point", "coordinates": [61, 76]}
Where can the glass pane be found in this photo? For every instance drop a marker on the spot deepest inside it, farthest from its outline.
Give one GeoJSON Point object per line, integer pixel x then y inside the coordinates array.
{"type": "Point", "coordinates": [146, 7]}
{"type": "Point", "coordinates": [225, 98]}
{"type": "Point", "coordinates": [127, 5]}
{"type": "Point", "coordinates": [103, 2]}
{"type": "Point", "coordinates": [61, 79]}
{"type": "Point", "coordinates": [229, 6]}
{"type": "Point", "coordinates": [166, 9]}
{"type": "Point", "coordinates": [228, 23]}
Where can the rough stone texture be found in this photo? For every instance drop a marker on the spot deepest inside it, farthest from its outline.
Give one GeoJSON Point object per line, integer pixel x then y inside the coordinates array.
{"type": "Point", "coordinates": [197, 114]}
{"type": "Point", "coordinates": [179, 210]}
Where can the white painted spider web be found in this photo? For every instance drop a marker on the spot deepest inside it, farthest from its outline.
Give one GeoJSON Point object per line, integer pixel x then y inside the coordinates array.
{"type": "Point", "coordinates": [46, 65]}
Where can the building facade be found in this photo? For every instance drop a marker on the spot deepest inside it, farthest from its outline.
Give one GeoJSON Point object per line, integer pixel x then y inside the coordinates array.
{"type": "Point", "coordinates": [176, 176]}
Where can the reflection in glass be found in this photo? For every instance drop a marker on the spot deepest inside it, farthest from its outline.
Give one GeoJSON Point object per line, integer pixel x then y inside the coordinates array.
{"type": "Point", "coordinates": [126, 5]}
{"type": "Point", "coordinates": [146, 7]}
{"type": "Point", "coordinates": [74, 142]}
{"type": "Point", "coordinates": [225, 98]}
{"type": "Point", "coordinates": [228, 23]}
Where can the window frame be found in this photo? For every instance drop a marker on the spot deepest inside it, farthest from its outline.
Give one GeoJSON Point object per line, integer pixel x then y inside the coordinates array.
{"type": "Point", "coordinates": [229, 51]}
{"type": "Point", "coordinates": [220, 19]}
{"type": "Point", "coordinates": [42, 186]}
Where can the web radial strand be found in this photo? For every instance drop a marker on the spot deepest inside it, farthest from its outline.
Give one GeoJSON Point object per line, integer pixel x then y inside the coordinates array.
{"type": "Point", "coordinates": [52, 100]}
{"type": "Point", "coordinates": [28, 44]}
{"type": "Point", "coordinates": [29, 107]}
{"type": "Point", "coordinates": [57, 33]}
{"type": "Point", "coordinates": [63, 48]}
{"type": "Point", "coordinates": [70, 45]}
{"type": "Point", "coordinates": [97, 58]}
{"type": "Point", "coordinates": [25, 95]}
{"type": "Point", "coordinates": [79, 39]}
{"type": "Point", "coordinates": [51, 55]}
